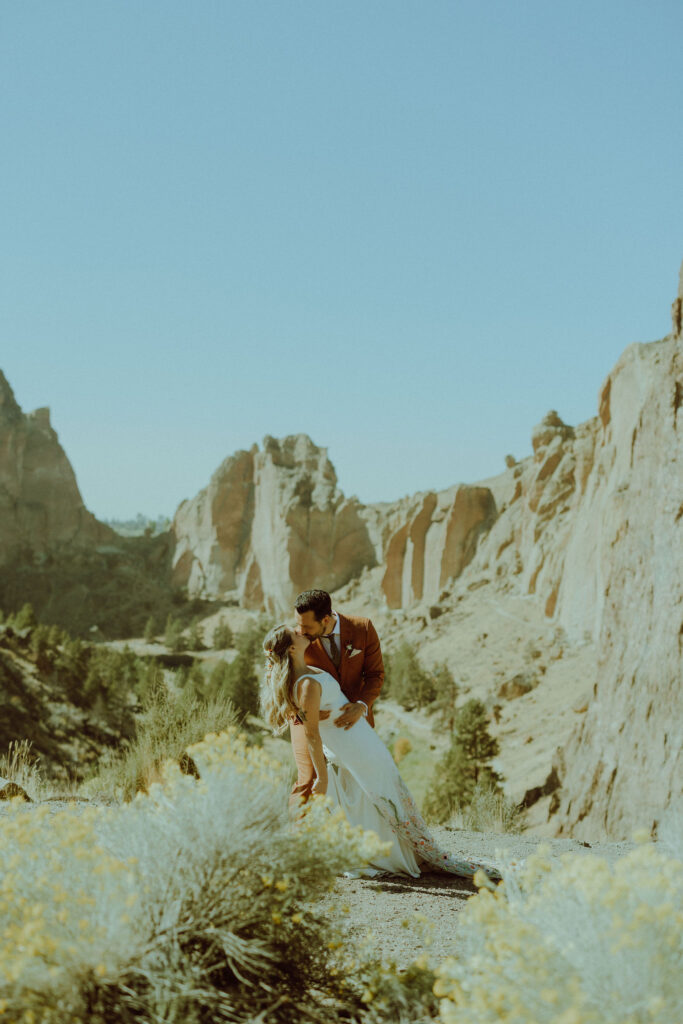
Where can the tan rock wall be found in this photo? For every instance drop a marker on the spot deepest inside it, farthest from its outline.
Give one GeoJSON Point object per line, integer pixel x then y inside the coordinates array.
{"type": "Point", "coordinates": [40, 503]}
{"type": "Point", "coordinates": [271, 522]}
{"type": "Point", "coordinates": [622, 767]}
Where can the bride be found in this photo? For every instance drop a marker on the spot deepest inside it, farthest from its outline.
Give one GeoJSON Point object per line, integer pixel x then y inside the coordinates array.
{"type": "Point", "coordinates": [352, 765]}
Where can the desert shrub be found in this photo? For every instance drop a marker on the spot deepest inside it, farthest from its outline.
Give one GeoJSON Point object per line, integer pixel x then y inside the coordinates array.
{"type": "Point", "coordinates": [168, 724]}
{"type": "Point", "coordinates": [402, 746]}
{"type": "Point", "coordinates": [465, 765]}
{"type": "Point", "coordinates": [389, 993]}
{"type": "Point", "coordinates": [222, 636]}
{"type": "Point", "coordinates": [195, 903]}
{"type": "Point", "coordinates": [580, 943]}
{"type": "Point", "coordinates": [406, 681]}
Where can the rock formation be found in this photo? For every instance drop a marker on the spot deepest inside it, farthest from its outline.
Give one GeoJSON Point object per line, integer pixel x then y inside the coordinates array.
{"type": "Point", "coordinates": [40, 504]}
{"type": "Point", "coordinates": [623, 766]}
{"type": "Point", "coordinates": [593, 530]}
{"type": "Point", "coordinates": [428, 540]}
{"type": "Point", "coordinates": [270, 523]}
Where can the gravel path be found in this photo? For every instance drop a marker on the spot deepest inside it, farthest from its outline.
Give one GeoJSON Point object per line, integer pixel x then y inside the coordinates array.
{"type": "Point", "coordinates": [378, 908]}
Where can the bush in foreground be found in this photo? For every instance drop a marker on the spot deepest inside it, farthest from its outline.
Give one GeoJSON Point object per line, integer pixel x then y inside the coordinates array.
{"type": "Point", "coordinates": [578, 943]}
{"type": "Point", "coordinates": [195, 903]}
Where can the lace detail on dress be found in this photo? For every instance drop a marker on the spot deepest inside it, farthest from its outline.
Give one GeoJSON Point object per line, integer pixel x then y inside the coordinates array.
{"type": "Point", "coordinates": [406, 822]}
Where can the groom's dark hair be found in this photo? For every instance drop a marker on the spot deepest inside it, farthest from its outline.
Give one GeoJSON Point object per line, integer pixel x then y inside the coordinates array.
{"type": "Point", "coordinates": [317, 601]}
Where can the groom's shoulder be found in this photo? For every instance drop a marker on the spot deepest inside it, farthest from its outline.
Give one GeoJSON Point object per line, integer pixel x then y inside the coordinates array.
{"type": "Point", "coordinates": [357, 621]}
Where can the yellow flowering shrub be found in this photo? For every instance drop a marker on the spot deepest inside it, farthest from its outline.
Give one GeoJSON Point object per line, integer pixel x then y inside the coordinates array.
{"type": "Point", "coordinates": [195, 902]}
{"type": "Point", "coordinates": [576, 943]}
{"type": "Point", "coordinates": [66, 906]}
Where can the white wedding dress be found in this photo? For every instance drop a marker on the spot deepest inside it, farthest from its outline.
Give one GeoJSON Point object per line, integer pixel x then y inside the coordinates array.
{"type": "Point", "coordinates": [364, 780]}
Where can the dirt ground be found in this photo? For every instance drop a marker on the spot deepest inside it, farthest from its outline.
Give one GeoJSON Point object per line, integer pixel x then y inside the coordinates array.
{"type": "Point", "coordinates": [385, 909]}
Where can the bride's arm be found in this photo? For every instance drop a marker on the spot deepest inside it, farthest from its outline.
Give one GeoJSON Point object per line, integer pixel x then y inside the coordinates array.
{"type": "Point", "coordinates": [309, 703]}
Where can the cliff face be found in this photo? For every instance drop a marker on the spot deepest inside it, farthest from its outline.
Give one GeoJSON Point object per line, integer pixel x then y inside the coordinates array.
{"type": "Point", "coordinates": [623, 766]}
{"type": "Point", "coordinates": [270, 523]}
{"type": "Point", "coordinates": [425, 541]}
{"type": "Point", "coordinates": [40, 504]}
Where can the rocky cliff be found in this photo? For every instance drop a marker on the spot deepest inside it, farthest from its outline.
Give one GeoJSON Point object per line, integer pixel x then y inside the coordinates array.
{"type": "Point", "coordinates": [623, 765]}
{"type": "Point", "coordinates": [270, 523]}
{"type": "Point", "coordinates": [75, 571]}
{"type": "Point", "coordinates": [40, 505]}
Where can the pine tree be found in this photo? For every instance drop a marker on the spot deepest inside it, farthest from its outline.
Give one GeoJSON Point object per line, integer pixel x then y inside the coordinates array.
{"type": "Point", "coordinates": [243, 686]}
{"type": "Point", "coordinates": [219, 679]}
{"type": "Point", "coordinates": [150, 630]}
{"type": "Point", "coordinates": [222, 636]}
{"type": "Point", "coordinates": [195, 640]}
{"type": "Point", "coordinates": [465, 766]}
{"type": "Point", "coordinates": [24, 619]}
{"type": "Point", "coordinates": [446, 690]}
{"type": "Point", "coordinates": [409, 684]}
{"type": "Point", "coordinates": [197, 682]}
{"type": "Point", "coordinates": [173, 637]}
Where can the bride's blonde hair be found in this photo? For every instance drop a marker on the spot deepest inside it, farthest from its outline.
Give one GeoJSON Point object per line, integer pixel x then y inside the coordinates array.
{"type": "Point", "coordinates": [277, 704]}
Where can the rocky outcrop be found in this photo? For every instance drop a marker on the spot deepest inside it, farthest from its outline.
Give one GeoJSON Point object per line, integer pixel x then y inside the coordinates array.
{"type": "Point", "coordinates": [593, 530]}
{"type": "Point", "coordinates": [40, 505]}
{"type": "Point", "coordinates": [623, 766]}
{"type": "Point", "coordinates": [428, 540]}
{"type": "Point", "coordinates": [270, 523]}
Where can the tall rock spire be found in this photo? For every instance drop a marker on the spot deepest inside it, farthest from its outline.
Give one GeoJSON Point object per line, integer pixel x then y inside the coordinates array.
{"type": "Point", "coordinates": [10, 413]}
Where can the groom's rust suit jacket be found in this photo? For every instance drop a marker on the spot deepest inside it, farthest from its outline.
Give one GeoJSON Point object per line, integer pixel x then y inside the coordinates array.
{"type": "Point", "coordinates": [360, 676]}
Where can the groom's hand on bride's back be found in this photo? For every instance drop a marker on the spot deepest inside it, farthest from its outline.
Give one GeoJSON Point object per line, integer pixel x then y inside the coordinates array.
{"type": "Point", "coordinates": [349, 715]}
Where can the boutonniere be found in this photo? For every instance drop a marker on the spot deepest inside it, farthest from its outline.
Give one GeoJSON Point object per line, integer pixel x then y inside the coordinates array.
{"type": "Point", "coordinates": [352, 651]}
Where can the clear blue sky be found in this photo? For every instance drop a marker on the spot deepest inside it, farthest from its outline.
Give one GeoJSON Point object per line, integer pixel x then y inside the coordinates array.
{"type": "Point", "coordinates": [407, 229]}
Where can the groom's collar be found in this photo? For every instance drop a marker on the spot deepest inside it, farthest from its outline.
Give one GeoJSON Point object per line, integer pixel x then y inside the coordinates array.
{"type": "Point", "coordinates": [336, 629]}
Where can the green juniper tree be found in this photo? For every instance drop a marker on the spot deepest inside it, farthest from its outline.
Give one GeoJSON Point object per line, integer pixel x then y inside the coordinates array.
{"type": "Point", "coordinates": [243, 686]}
{"type": "Point", "coordinates": [446, 690]}
{"type": "Point", "coordinates": [465, 766]}
{"type": "Point", "coordinates": [222, 636]}
{"type": "Point", "coordinates": [195, 640]}
{"type": "Point", "coordinates": [25, 618]}
{"type": "Point", "coordinates": [408, 682]}
{"type": "Point", "coordinates": [173, 636]}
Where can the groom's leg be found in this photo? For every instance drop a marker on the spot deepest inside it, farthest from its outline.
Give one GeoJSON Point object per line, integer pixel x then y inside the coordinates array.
{"type": "Point", "coordinates": [304, 766]}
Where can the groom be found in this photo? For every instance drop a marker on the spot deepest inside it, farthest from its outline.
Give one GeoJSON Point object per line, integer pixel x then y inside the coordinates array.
{"type": "Point", "coordinates": [348, 648]}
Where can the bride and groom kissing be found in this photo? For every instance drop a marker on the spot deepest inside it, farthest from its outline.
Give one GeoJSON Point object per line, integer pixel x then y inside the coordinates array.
{"type": "Point", "coordinates": [322, 679]}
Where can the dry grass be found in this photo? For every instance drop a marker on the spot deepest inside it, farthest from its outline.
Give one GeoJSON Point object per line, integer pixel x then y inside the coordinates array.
{"type": "Point", "coordinates": [169, 725]}
{"type": "Point", "coordinates": [489, 812]}
{"type": "Point", "coordinates": [21, 766]}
